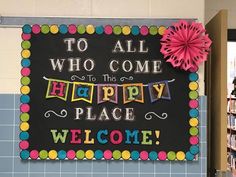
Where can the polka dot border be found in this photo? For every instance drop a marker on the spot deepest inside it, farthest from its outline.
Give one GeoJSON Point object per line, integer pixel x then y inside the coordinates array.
{"type": "Point", "coordinates": [35, 29]}
{"type": "Point", "coordinates": [90, 29]}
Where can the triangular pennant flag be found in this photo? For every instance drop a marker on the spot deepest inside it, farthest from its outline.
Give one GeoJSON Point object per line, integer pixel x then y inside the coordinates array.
{"type": "Point", "coordinates": [82, 91]}
{"type": "Point", "coordinates": [58, 89]}
{"type": "Point", "coordinates": [107, 93]}
{"type": "Point", "coordinates": [159, 90]}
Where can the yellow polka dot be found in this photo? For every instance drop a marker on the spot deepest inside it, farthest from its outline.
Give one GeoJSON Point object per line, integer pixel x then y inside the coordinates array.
{"type": "Point", "coordinates": [24, 126]}
{"type": "Point", "coordinates": [125, 155]}
{"type": "Point", "coordinates": [52, 154]}
{"type": "Point", "coordinates": [89, 154]}
{"type": "Point", "coordinates": [180, 155]}
{"type": "Point", "coordinates": [54, 29]}
{"type": "Point", "coordinates": [193, 85]}
{"type": "Point", "coordinates": [193, 122]}
{"type": "Point", "coordinates": [25, 53]}
{"type": "Point", "coordinates": [25, 89]}
{"type": "Point", "coordinates": [90, 29]}
{"type": "Point", "coordinates": [161, 30]}
{"type": "Point", "coordinates": [126, 30]}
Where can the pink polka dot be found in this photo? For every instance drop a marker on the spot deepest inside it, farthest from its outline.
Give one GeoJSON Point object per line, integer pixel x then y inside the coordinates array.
{"type": "Point", "coordinates": [26, 37]}
{"type": "Point", "coordinates": [144, 155]}
{"type": "Point", "coordinates": [24, 108]}
{"type": "Point", "coordinates": [193, 103]}
{"type": "Point", "coordinates": [162, 155]}
{"type": "Point", "coordinates": [70, 154]}
{"type": "Point", "coordinates": [24, 144]}
{"type": "Point", "coordinates": [34, 154]}
{"type": "Point", "coordinates": [107, 154]}
{"type": "Point", "coordinates": [72, 29]}
{"type": "Point", "coordinates": [193, 140]}
{"type": "Point", "coordinates": [36, 29]}
{"type": "Point", "coordinates": [193, 69]}
{"type": "Point", "coordinates": [144, 30]}
{"type": "Point", "coordinates": [25, 71]}
{"type": "Point", "coordinates": [108, 29]}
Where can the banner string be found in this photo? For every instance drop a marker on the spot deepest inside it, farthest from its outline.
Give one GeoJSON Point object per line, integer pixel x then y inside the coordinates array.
{"type": "Point", "coordinates": [119, 85]}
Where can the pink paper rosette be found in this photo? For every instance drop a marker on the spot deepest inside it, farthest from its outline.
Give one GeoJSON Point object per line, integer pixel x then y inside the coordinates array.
{"type": "Point", "coordinates": [185, 45]}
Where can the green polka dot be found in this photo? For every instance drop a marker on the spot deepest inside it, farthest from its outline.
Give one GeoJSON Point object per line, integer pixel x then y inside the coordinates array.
{"type": "Point", "coordinates": [153, 30]}
{"type": "Point", "coordinates": [116, 154]}
{"type": "Point", "coordinates": [193, 131]}
{"type": "Point", "coordinates": [43, 154]}
{"type": "Point", "coordinates": [81, 29]}
{"type": "Point", "coordinates": [80, 154]}
{"type": "Point", "coordinates": [25, 44]}
{"type": "Point", "coordinates": [117, 30]}
{"type": "Point", "coordinates": [24, 117]}
{"type": "Point", "coordinates": [45, 29]}
{"type": "Point", "coordinates": [25, 80]}
{"type": "Point", "coordinates": [193, 95]}
{"type": "Point", "coordinates": [171, 155]}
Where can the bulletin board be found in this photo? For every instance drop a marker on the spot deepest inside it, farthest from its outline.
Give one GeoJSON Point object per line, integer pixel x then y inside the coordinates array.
{"type": "Point", "coordinates": [12, 165]}
{"type": "Point", "coordinates": [105, 92]}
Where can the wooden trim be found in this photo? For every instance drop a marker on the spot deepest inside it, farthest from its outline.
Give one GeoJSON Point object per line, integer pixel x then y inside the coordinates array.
{"type": "Point", "coordinates": [217, 92]}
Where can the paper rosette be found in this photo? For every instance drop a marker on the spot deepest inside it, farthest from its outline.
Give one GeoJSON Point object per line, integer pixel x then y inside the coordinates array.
{"type": "Point", "coordinates": [185, 45]}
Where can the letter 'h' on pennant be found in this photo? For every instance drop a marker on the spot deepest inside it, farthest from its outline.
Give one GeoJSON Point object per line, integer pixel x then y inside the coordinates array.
{"type": "Point", "coordinates": [82, 91]}
{"type": "Point", "coordinates": [57, 88]}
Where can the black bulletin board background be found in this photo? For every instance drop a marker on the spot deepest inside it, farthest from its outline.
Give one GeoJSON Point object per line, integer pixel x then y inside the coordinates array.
{"type": "Point", "coordinates": [174, 130]}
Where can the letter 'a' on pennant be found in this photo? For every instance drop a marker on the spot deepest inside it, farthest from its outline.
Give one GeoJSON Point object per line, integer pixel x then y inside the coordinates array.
{"type": "Point", "coordinates": [82, 91]}
{"type": "Point", "coordinates": [107, 93]}
{"type": "Point", "coordinates": [133, 92]}
{"type": "Point", "coordinates": [58, 89]}
{"type": "Point", "coordinates": [159, 90]}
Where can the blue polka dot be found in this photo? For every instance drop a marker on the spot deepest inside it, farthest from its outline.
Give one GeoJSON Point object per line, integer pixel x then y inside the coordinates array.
{"type": "Point", "coordinates": [153, 155]}
{"type": "Point", "coordinates": [26, 29]}
{"type": "Point", "coordinates": [135, 30]}
{"type": "Point", "coordinates": [193, 77]}
{"type": "Point", "coordinates": [61, 154]}
{"type": "Point", "coordinates": [98, 154]}
{"type": "Point", "coordinates": [24, 135]}
{"type": "Point", "coordinates": [193, 113]}
{"type": "Point", "coordinates": [63, 29]}
{"type": "Point", "coordinates": [25, 63]}
{"type": "Point", "coordinates": [135, 155]}
{"type": "Point", "coordinates": [194, 150]}
{"type": "Point", "coordinates": [189, 156]}
{"type": "Point", "coordinates": [99, 29]}
{"type": "Point", "coordinates": [24, 154]}
{"type": "Point", "coordinates": [24, 99]}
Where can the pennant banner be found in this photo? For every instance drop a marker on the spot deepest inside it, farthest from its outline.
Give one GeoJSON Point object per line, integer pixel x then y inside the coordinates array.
{"type": "Point", "coordinates": [132, 92]}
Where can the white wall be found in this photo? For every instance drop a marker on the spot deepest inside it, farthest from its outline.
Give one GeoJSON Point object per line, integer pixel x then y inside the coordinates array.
{"type": "Point", "coordinates": [213, 6]}
{"type": "Point", "coordinates": [10, 39]}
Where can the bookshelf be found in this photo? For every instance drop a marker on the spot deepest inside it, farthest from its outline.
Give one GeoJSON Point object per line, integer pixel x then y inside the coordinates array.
{"type": "Point", "coordinates": [231, 133]}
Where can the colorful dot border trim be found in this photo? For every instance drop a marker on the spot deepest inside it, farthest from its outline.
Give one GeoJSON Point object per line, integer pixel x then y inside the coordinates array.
{"type": "Point", "coordinates": [80, 154]}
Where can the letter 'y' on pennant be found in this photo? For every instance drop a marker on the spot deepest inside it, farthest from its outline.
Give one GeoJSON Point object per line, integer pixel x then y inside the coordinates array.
{"type": "Point", "coordinates": [107, 93]}
{"type": "Point", "coordinates": [82, 91]}
{"type": "Point", "coordinates": [158, 90]}
{"type": "Point", "coordinates": [58, 89]}
{"type": "Point", "coordinates": [133, 92]}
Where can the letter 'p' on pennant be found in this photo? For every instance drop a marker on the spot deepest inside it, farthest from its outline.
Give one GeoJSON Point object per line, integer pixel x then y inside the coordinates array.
{"type": "Point", "coordinates": [58, 89]}
{"type": "Point", "coordinates": [133, 92]}
{"type": "Point", "coordinates": [107, 93]}
{"type": "Point", "coordinates": [82, 91]}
